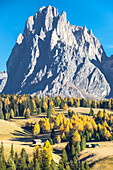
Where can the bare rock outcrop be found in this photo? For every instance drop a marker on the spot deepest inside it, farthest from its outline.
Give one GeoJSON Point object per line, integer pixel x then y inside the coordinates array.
{"type": "Point", "coordinates": [53, 57]}
{"type": "Point", "coordinates": [3, 80]}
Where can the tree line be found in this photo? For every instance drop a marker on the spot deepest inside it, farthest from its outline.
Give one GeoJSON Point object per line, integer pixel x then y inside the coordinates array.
{"type": "Point", "coordinates": [26, 105]}
{"type": "Point", "coordinates": [42, 159]}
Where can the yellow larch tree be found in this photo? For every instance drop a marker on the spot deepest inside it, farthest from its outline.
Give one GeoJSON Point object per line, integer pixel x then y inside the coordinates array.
{"type": "Point", "coordinates": [105, 124]}
{"type": "Point", "coordinates": [111, 119]}
{"type": "Point", "coordinates": [47, 124]}
{"type": "Point", "coordinates": [106, 116]}
{"type": "Point", "coordinates": [94, 125]}
{"type": "Point", "coordinates": [48, 151]}
{"type": "Point", "coordinates": [52, 125]}
{"type": "Point", "coordinates": [65, 107]}
{"type": "Point", "coordinates": [109, 104]}
{"type": "Point", "coordinates": [51, 103]}
{"type": "Point", "coordinates": [12, 113]}
{"type": "Point", "coordinates": [61, 128]}
{"type": "Point", "coordinates": [34, 105]}
{"type": "Point", "coordinates": [76, 137]}
{"type": "Point", "coordinates": [58, 139]}
{"type": "Point", "coordinates": [37, 153]}
{"type": "Point", "coordinates": [24, 112]}
{"type": "Point", "coordinates": [108, 135]}
{"type": "Point", "coordinates": [53, 110]}
{"type": "Point", "coordinates": [57, 121]}
{"type": "Point", "coordinates": [36, 129]}
{"type": "Point", "coordinates": [88, 126]}
{"type": "Point", "coordinates": [63, 135]}
{"type": "Point", "coordinates": [99, 127]}
{"type": "Point", "coordinates": [78, 102]}
{"type": "Point", "coordinates": [44, 106]}
{"type": "Point", "coordinates": [44, 125]}
{"type": "Point", "coordinates": [66, 130]}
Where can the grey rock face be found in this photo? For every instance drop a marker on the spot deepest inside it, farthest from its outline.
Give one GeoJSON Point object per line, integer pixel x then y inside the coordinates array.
{"type": "Point", "coordinates": [3, 79]}
{"type": "Point", "coordinates": [53, 57]}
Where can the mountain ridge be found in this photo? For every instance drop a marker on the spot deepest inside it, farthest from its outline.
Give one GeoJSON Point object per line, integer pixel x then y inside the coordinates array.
{"type": "Point", "coordinates": [53, 57]}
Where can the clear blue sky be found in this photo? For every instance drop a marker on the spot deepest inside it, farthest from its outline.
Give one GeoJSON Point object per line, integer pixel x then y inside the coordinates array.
{"type": "Point", "coordinates": [96, 15]}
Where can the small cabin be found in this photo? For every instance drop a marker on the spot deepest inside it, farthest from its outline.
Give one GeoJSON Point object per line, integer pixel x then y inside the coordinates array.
{"type": "Point", "coordinates": [37, 141]}
{"type": "Point", "coordinates": [88, 145]}
{"type": "Point", "coordinates": [95, 145]}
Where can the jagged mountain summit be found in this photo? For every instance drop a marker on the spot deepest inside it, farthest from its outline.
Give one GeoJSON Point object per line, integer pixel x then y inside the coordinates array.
{"type": "Point", "coordinates": [53, 57]}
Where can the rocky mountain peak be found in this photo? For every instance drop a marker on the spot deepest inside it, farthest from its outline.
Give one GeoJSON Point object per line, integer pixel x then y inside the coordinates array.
{"type": "Point", "coordinates": [53, 57]}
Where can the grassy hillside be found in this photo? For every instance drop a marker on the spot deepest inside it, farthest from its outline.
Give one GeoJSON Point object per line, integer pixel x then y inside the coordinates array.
{"type": "Point", "coordinates": [104, 164]}
{"type": "Point", "coordinates": [13, 131]}
{"type": "Point", "coordinates": [8, 130]}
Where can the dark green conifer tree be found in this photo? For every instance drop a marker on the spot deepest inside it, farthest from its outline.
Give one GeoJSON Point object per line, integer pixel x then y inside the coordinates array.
{"type": "Point", "coordinates": [91, 112]}
{"type": "Point", "coordinates": [21, 164]}
{"type": "Point", "coordinates": [27, 114]}
{"type": "Point", "coordinates": [75, 162]}
{"type": "Point", "coordinates": [16, 158]}
{"type": "Point", "coordinates": [2, 163]}
{"type": "Point", "coordinates": [51, 141]}
{"type": "Point", "coordinates": [76, 155]}
{"type": "Point", "coordinates": [97, 137]}
{"type": "Point", "coordinates": [83, 143]}
{"type": "Point", "coordinates": [2, 152]}
{"type": "Point", "coordinates": [12, 152]}
{"type": "Point", "coordinates": [23, 154]}
{"type": "Point", "coordinates": [10, 164]}
{"type": "Point", "coordinates": [37, 165]}
{"type": "Point", "coordinates": [61, 165]}
{"type": "Point", "coordinates": [82, 166]}
{"type": "Point", "coordinates": [45, 162]}
{"type": "Point", "coordinates": [48, 113]}
{"type": "Point", "coordinates": [31, 107]}
{"type": "Point", "coordinates": [78, 165]}
{"type": "Point", "coordinates": [72, 166]}
{"type": "Point", "coordinates": [87, 135]}
{"type": "Point", "coordinates": [72, 151]}
{"type": "Point", "coordinates": [64, 156]}
{"type": "Point", "coordinates": [53, 165]}
{"type": "Point", "coordinates": [62, 104]}
{"type": "Point", "coordinates": [53, 135]}
{"type": "Point", "coordinates": [78, 147]}
{"type": "Point", "coordinates": [86, 166]}
{"type": "Point", "coordinates": [17, 112]}
{"type": "Point", "coordinates": [31, 166]}
{"type": "Point", "coordinates": [1, 114]}
{"type": "Point", "coordinates": [39, 110]}
{"type": "Point", "coordinates": [67, 167]}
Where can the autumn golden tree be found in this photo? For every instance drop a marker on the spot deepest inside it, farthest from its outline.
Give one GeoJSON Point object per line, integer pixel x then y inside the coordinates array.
{"type": "Point", "coordinates": [76, 137]}
{"type": "Point", "coordinates": [65, 107]}
{"type": "Point", "coordinates": [12, 114]}
{"type": "Point", "coordinates": [44, 106]}
{"type": "Point", "coordinates": [36, 129]}
{"type": "Point", "coordinates": [57, 121]}
{"type": "Point", "coordinates": [24, 112]}
{"type": "Point", "coordinates": [48, 151]}
{"type": "Point", "coordinates": [108, 135]}
{"type": "Point", "coordinates": [52, 125]}
{"type": "Point", "coordinates": [58, 139]}
{"type": "Point", "coordinates": [44, 125]}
